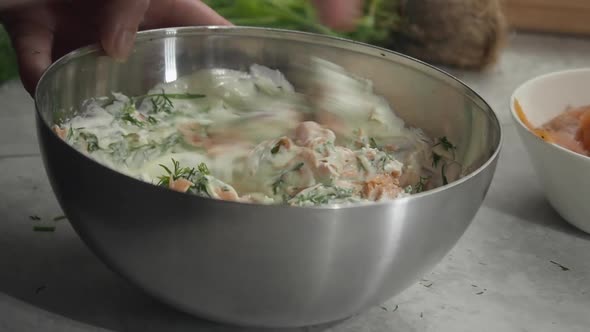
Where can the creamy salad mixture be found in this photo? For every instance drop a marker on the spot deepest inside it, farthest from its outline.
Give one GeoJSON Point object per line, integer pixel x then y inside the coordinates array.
{"type": "Point", "coordinates": [250, 137]}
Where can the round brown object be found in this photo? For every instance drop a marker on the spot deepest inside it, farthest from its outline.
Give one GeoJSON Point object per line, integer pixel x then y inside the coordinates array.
{"type": "Point", "coordinates": [462, 33]}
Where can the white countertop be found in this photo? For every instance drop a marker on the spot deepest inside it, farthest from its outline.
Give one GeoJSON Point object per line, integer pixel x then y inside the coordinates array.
{"type": "Point", "coordinates": [519, 267]}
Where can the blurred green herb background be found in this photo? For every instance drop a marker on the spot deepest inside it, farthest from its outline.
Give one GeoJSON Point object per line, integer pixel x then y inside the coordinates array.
{"type": "Point", "coordinates": [8, 66]}
{"type": "Point", "coordinates": [378, 25]}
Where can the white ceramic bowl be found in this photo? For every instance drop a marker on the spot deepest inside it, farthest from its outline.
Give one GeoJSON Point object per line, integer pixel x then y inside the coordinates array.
{"type": "Point", "coordinates": [562, 173]}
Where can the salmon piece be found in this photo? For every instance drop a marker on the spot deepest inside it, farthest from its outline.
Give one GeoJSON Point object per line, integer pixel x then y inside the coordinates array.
{"type": "Point", "coordinates": [583, 134]}
{"type": "Point", "coordinates": [331, 121]}
{"type": "Point", "coordinates": [181, 185]}
{"type": "Point", "coordinates": [61, 132]}
{"type": "Point", "coordinates": [571, 129]}
{"type": "Point", "coordinates": [568, 141]}
{"type": "Point", "coordinates": [310, 133]}
{"type": "Point", "coordinates": [192, 134]}
{"type": "Point", "coordinates": [382, 186]}
{"type": "Point", "coordinates": [226, 194]}
{"type": "Point", "coordinates": [325, 170]}
{"type": "Point", "coordinates": [220, 149]}
{"type": "Point", "coordinates": [542, 133]}
{"type": "Point", "coordinates": [284, 142]}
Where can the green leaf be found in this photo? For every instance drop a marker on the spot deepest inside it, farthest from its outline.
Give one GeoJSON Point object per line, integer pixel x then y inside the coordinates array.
{"type": "Point", "coordinates": [8, 62]}
{"type": "Point", "coordinates": [435, 159]}
{"type": "Point", "coordinates": [91, 141]}
{"type": "Point", "coordinates": [445, 181]}
{"type": "Point", "coordinates": [44, 228]}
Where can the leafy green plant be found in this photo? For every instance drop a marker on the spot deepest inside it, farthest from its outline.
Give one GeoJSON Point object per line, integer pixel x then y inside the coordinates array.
{"type": "Point", "coordinates": [8, 64]}
{"type": "Point", "coordinates": [378, 24]}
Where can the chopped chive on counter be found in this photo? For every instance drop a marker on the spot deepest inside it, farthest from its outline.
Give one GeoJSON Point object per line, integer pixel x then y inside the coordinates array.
{"type": "Point", "coordinates": [44, 228]}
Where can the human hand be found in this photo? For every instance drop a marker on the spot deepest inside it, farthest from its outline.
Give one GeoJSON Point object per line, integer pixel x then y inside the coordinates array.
{"type": "Point", "coordinates": [339, 14]}
{"type": "Point", "coordinates": [43, 31]}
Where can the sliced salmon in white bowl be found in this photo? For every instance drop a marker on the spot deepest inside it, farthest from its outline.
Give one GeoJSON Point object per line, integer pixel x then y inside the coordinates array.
{"type": "Point", "coordinates": [552, 115]}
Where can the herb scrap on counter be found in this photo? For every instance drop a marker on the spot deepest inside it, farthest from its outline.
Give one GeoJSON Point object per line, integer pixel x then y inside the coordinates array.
{"type": "Point", "coordinates": [563, 268]}
{"type": "Point", "coordinates": [40, 289]}
{"type": "Point", "coordinates": [35, 217]}
{"type": "Point", "coordinates": [59, 218]}
{"type": "Point", "coordinates": [426, 283]}
{"type": "Point", "coordinates": [47, 229]}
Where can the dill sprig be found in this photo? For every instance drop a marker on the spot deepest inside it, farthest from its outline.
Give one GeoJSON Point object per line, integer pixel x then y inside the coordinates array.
{"type": "Point", "coordinates": [436, 159]}
{"type": "Point", "coordinates": [325, 196]}
{"type": "Point", "coordinates": [445, 181]}
{"type": "Point", "coordinates": [276, 186]}
{"type": "Point", "coordinates": [446, 144]}
{"type": "Point", "coordinates": [421, 185]}
{"type": "Point", "coordinates": [176, 173]}
{"type": "Point", "coordinates": [161, 103]}
{"type": "Point", "coordinates": [277, 147]}
{"type": "Point", "coordinates": [373, 143]}
{"type": "Point", "coordinates": [91, 141]}
{"type": "Point", "coordinates": [128, 117]}
{"type": "Point", "coordinates": [198, 176]}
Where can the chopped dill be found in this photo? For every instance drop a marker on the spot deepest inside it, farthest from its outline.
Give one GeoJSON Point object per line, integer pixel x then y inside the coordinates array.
{"type": "Point", "coordinates": [436, 159]}
{"type": "Point", "coordinates": [373, 143]}
{"type": "Point", "coordinates": [44, 228]}
{"type": "Point", "coordinates": [446, 144]}
{"type": "Point", "coordinates": [129, 118]}
{"type": "Point", "coordinates": [445, 181]}
{"type": "Point", "coordinates": [152, 120]}
{"type": "Point", "coordinates": [275, 149]}
{"type": "Point", "coordinates": [91, 141]}
{"type": "Point", "coordinates": [421, 185]}
{"type": "Point", "coordinates": [197, 176]}
{"type": "Point", "coordinates": [280, 181]}
{"type": "Point", "coordinates": [326, 196]}
{"type": "Point", "coordinates": [176, 173]}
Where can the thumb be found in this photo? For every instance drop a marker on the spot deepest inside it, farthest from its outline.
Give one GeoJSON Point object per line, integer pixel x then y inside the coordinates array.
{"type": "Point", "coordinates": [121, 19]}
{"type": "Point", "coordinates": [339, 14]}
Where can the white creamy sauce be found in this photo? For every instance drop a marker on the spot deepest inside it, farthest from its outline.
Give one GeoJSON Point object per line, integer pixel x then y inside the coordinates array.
{"type": "Point", "coordinates": [250, 137]}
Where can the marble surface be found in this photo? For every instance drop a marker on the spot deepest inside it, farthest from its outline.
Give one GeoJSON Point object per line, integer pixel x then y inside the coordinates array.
{"type": "Point", "coordinates": [519, 267]}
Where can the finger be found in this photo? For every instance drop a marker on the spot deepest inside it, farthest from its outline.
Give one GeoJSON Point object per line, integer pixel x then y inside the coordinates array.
{"type": "Point", "coordinates": [9, 4]}
{"type": "Point", "coordinates": [121, 19]}
{"type": "Point", "coordinates": [172, 13]}
{"type": "Point", "coordinates": [339, 14]}
{"type": "Point", "coordinates": [32, 42]}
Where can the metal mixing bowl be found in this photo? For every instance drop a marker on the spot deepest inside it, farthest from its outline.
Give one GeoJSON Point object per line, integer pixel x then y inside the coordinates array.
{"type": "Point", "coordinates": [246, 264]}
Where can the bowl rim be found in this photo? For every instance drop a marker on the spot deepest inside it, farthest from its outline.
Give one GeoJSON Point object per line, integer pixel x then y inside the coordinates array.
{"type": "Point", "coordinates": [530, 82]}
{"type": "Point", "coordinates": [161, 33]}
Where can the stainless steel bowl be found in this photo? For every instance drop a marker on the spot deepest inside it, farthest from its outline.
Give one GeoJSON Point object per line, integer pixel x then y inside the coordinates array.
{"type": "Point", "coordinates": [271, 266]}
